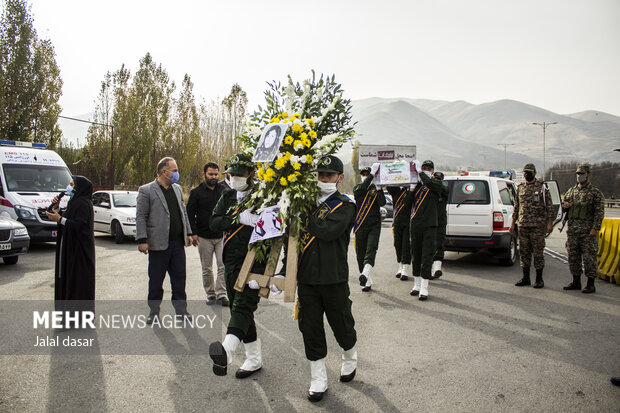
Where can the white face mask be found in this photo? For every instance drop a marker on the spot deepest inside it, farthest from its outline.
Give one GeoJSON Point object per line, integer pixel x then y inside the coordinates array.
{"type": "Point", "coordinates": [326, 187]}
{"type": "Point", "coordinates": [238, 183]}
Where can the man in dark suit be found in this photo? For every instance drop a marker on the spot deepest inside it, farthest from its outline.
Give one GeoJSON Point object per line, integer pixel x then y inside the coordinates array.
{"type": "Point", "coordinates": [163, 230]}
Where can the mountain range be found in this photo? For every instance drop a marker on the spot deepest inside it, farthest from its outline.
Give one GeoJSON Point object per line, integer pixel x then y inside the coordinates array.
{"type": "Point", "coordinates": [459, 134]}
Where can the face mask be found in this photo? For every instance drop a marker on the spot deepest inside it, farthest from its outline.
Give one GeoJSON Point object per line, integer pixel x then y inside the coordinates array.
{"type": "Point", "coordinates": [529, 176]}
{"type": "Point", "coordinates": [238, 183]}
{"type": "Point", "coordinates": [69, 191]}
{"type": "Point", "coordinates": [582, 178]}
{"type": "Point", "coordinates": [174, 178]}
{"type": "Point", "coordinates": [326, 187]}
{"type": "Point", "coordinates": [428, 173]}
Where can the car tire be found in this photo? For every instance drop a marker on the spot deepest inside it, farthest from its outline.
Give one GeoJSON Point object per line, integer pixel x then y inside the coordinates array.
{"type": "Point", "coordinates": [119, 237]}
{"type": "Point", "coordinates": [10, 260]}
{"type": "Point", "coordinates": [512, 252]}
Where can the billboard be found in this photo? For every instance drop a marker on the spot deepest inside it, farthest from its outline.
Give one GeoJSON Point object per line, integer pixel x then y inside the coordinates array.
{"type": "Point", "coordinates": [369, 154]}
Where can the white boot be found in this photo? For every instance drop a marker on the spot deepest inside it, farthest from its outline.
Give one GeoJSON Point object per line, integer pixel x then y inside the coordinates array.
{"type": "Point", "coordinates": [253, 360]}
{"type": "Point", "coordinates": [318, 383]}
{"type": "Point", "coordinates": [366, 277]}
{"type": "Point", "coordinates": [400, 270]}
{"type": "Point", "coordinates": [416, 285]}
{"type": "Point", "coordinates": [406, 270]}
{"type": "Point", "coordinates": [436, 269]}
{"type": "Point", "coordinates": [222, 353]}
{"type": "Point", "coordinates": [424, 290]}
{"type": "Point", "coordinates": [349, 365]}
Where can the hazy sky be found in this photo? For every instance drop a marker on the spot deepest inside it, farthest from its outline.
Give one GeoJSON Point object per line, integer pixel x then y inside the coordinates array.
{"type": "Point", "coordinates": [562, 55]}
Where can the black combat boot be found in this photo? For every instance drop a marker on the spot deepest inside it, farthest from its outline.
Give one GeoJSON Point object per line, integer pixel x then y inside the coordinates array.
{"type": "Point", "coordinates": [526, 278]}
{"type": "Point", "coordinates": [589, 286]}
{"type": "Point", "coordinates": [539, 280]}
{"type": "Point", "coordinates": [575, 285]}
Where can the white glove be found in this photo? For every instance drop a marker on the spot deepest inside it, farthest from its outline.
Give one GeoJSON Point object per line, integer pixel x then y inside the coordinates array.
{"type": "Point", "coordinates": [275, 290]}
{"type": "Point", "coordinates": [374, 168]}
{"type": "Point", "coordinates": [253, 284]}
{"type": "Point", "coordinates": [418, 166]}
{"type": "Point", "coordinates": [248, 218]}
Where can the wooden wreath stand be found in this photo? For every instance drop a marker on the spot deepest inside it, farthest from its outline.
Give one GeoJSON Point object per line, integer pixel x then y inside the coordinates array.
{"type": "Point", "coordinates": [288, 285]}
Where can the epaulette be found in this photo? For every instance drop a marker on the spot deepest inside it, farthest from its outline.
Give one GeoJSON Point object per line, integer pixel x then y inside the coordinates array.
{"type": "Point", "coordinates": [344, 198]}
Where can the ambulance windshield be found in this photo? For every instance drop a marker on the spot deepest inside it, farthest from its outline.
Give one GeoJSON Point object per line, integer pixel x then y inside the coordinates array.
{"type": "Point", "coordinates": [36, 178]}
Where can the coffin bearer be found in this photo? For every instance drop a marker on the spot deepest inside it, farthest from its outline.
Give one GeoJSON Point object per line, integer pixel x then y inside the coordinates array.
{"type": "Point", "coordinates": [323, 275]}
{"type": "Point", "coordinates": [163, 231]}
{"type": "Point", "coordinates": [585, 208]}
{"type": "Point", "coordinates": [200, 205]}
{"type": "Point", "coordinates": [424, 223]}
{"type": "Point", "coordinates": [533, 215]}
{"type": "Point", "coordinates": [442, 222]}
{"type": "Point", "coordinates": [367, 229]}
{"type": "Point", "coordinates": [401, 198]}
{"type": "Point", "coordinates": [229, 216]}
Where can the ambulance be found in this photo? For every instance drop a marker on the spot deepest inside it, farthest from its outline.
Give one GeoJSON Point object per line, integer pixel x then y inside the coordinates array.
{"type": "Point", "coordinates": [30, 177]}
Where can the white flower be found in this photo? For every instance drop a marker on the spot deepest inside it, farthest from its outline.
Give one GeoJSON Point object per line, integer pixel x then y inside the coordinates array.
{"type": "Point", "coordinates": [294, 159]}
{"type": "Point", "coordinates": [299, 146]}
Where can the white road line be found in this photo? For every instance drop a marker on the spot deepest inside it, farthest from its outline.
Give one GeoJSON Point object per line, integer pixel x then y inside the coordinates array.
{"type": "Point", "coordinates": [560, 257]}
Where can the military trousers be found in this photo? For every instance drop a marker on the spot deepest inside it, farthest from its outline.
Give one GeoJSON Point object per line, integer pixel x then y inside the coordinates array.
{"type": "Point", "coordinates": [423, 249]}
{"type": "Point", "coordinates": [333, 301]}
{"type": "Point", "coordinates": [582, 249]}
{"type": "Point", "coordinates": [367, 244]}
{"type": "Point", "coordinates": [532, 242]}
{"type": "Point", "coordinates": [402, 243]}
{"type": "Point", "coordinates": [242, 306]}
{"type": "Point", "coordinates": [440, 242]}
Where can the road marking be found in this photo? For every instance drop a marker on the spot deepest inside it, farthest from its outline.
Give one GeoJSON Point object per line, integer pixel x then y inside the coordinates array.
{"type": "Point", "coordinates": [560, 257]}
{"type": "Point", "coordinates": [263, 396]}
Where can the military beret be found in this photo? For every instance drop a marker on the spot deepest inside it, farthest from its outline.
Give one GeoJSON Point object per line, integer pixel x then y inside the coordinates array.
{"type": "Point", "coordinates": [239, 163]}
{"type": "Point", "coordinates": [529, 167]}
{"type": "Point", "coordinates": [438, 175]}
{"type": "Point", "coordinates": [428, 163]}
{"type": "Point", "coordinates": [330, 164]}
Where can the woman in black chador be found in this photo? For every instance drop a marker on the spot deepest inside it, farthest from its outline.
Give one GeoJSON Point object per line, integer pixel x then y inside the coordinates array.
{"type": "Point", "coordinates": [75, 245]}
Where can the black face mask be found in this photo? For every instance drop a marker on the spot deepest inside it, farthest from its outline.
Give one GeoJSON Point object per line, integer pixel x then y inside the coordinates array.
{"type": "Point", "coordinates": [529, 176]}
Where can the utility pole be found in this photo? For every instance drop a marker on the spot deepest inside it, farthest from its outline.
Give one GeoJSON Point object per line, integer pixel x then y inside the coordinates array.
{"type": "Point", "coordinates": [544, 128]}
{"type": "Point", "coordinates": [111, 143]}
{"type": "Point", "coordinates": [505, 145]}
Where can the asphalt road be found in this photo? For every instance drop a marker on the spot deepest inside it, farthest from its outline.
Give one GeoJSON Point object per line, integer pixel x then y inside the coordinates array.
{"type": "Point", "coordinates": [478, 344]}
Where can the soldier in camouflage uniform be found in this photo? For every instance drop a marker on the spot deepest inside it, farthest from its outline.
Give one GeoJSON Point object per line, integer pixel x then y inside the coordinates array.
{"type": "Point", "coordinates": [585, 208]}
{"type": "Point", "coordinates": [533, 214]}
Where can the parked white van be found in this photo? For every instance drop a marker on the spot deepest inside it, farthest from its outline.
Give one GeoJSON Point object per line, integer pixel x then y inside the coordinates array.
{"type": "Point", "coordinates": [30, 177]}
{"type": "Point", "coordinates": [480, 214]}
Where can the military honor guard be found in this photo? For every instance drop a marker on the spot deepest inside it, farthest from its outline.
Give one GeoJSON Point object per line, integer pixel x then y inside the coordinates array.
{"type": "Point", "coordinates": [585, 208]}
{"type": "Point", "coordinates": [401, 199]}
{"type": "Point", "coordinates": [237, 223]}
{"type": "Point", "coordinates": [533, 218]}
{"type": "Point", "coordinates": [442, 222]}
{"type": "Point", "coordinates": [322, 277]}
{"type": "Point", "coordinates": [367, 229]}
{"type": "Point", "coordinates": [423, 226]}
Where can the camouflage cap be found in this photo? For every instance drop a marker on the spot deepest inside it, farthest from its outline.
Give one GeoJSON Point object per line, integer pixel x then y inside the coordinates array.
{"type": "Point", "coordinates": [529, 167]}
{"type": "Point", "coordinates": [365, 170]}
{"type": "Point", "coordinates": [584, 168]}
{"type": "Point", "coordinates": [438, 175]}
{"type": "Point", "coordinates": [239, 163]}
{"type": "Point", "coordinates": [428, 163]}
{"type": "Point", "coordinates": [330, 164]}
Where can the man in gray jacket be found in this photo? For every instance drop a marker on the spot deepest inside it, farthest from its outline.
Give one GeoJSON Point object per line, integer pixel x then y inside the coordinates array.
{"type": "Point", "coordinates": [163, 230]}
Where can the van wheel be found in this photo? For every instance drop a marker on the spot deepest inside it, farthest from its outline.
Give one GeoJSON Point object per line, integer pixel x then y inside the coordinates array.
{"type": "Point", "coordinates": [512, 254]}
{"type": "Point", "coordinates": [10, 260]}
{"type": "Point", "coordinates": [119, 237]}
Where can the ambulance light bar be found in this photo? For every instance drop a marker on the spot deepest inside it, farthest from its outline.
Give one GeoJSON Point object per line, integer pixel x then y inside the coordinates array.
{"type": "Point", "coordinates": [24, 144]}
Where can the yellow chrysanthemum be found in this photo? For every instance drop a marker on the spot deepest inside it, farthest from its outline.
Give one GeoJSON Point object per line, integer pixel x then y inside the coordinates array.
{"type": "Point", "coordinates": [292, 178]}
{"type": "Point", "coordinates": [310, 122]}
{"type": "Point", "coordinates": [288, 139]}
{"type": "Point", "coordinates": [298, 142]}
{"type": "Point", "coordinates": [284, 115]}
{"type": "Point", "coordinates": [306, 142]}
{"type": "Point", "coordinates": [283, 181]}
{"type": "Point", "coordinates": [297, 166]}
{"type": "Point", "coordinates": [280, 162]}
{"type": "Point", "coordinates": [312, 134]}
{"type": "Point", "coordinates": [308, 158]}
{"type": "Point", "coordinates": [274, 120]}
{"type": "Point", "coordinates": [303, 135]}
{"type": "Point", "coordinates": [297, 128]}
{"type": "Point", "coordinates": [287, 155]}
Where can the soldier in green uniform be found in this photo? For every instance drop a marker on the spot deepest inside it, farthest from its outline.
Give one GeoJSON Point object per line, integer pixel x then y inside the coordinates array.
{"type": "Point", "coordinates": [401, 199]}
{"type": "Point", "coordinates": [424, 223]}
{"type": "Point", "coordinates": [367, 227]}
{"type": "Point", "coordinates": [442, 222]}
{"type": "Point", "coordinates": [323, 276]}
{"type": "Point", "coordinates": [585, 208]}
{"type": "Point", "coordinates": [533, 214]}
{"type": "Point", "coordinates": [237, 224]}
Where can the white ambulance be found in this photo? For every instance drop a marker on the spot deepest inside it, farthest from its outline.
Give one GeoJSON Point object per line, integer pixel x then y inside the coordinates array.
{"type": "Point", "coordinates": [30, 177]}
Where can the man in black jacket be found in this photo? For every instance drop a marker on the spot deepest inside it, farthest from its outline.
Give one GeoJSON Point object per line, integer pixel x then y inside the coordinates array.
{"type": "Point", "coordinates": [200, 205]}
